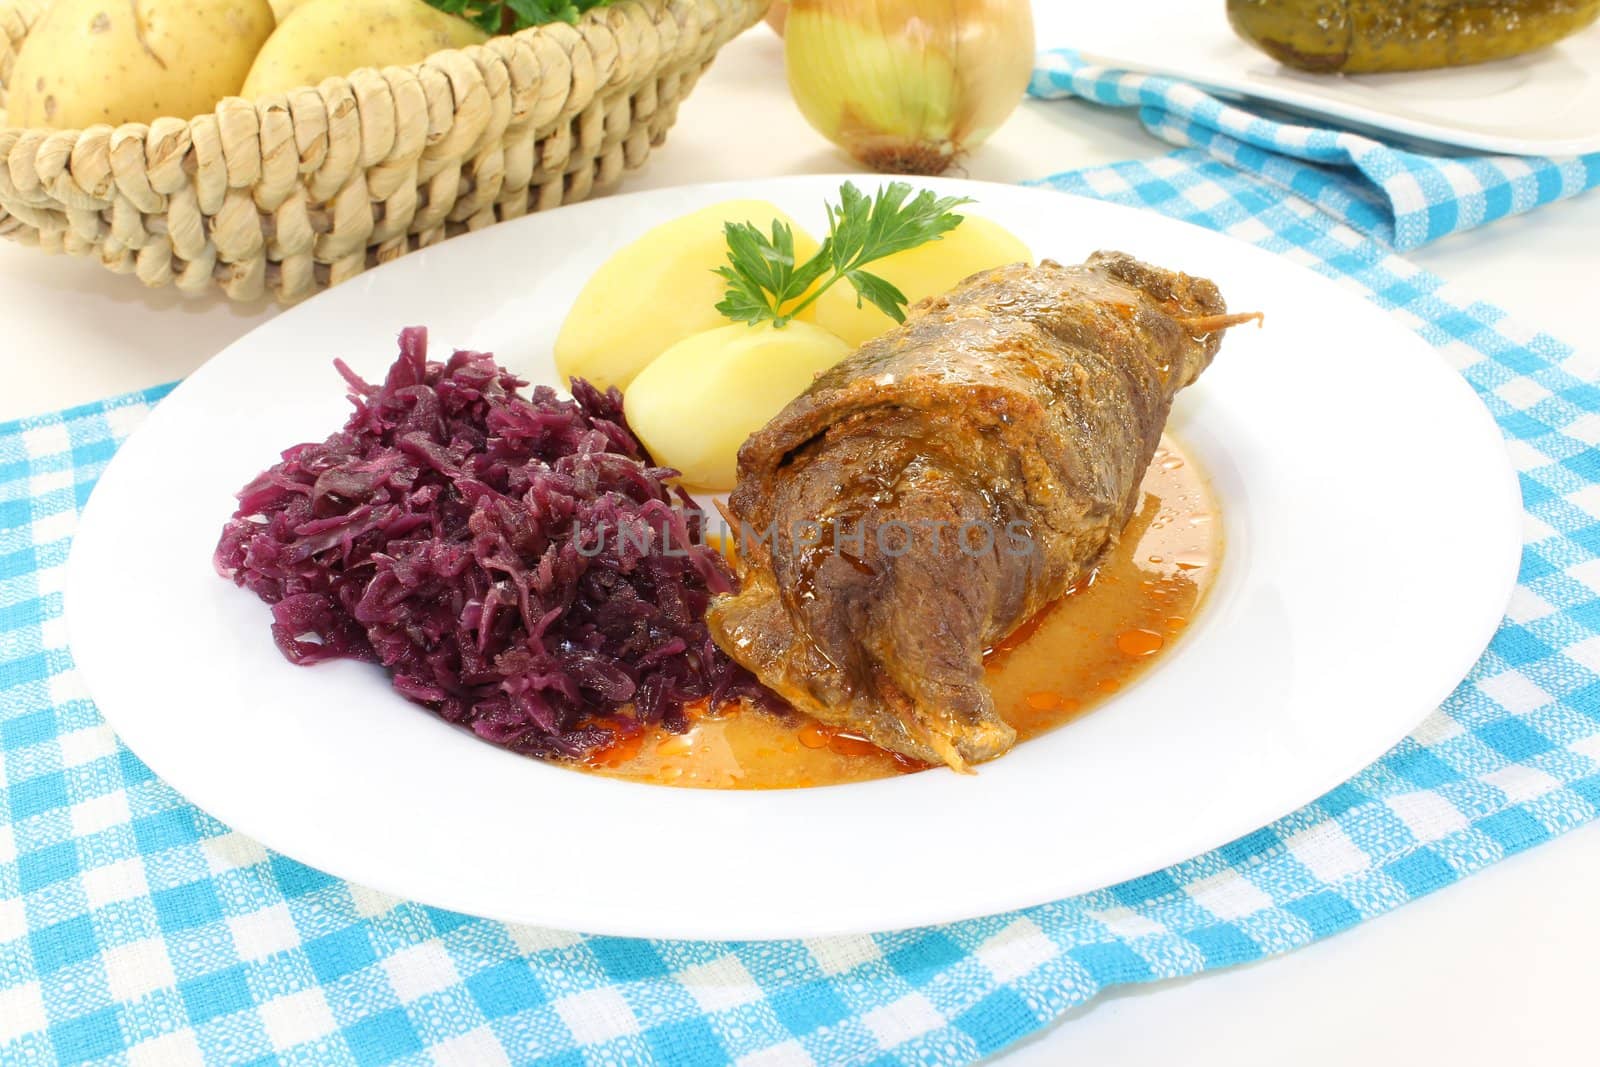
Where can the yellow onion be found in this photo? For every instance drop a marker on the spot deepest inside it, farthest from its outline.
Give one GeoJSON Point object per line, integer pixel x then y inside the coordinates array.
{"type": "Point", "coordinates": [908, 86]}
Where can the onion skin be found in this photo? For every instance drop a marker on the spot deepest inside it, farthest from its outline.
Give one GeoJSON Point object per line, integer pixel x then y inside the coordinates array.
{"type": "Point", "coordinates": [908, 86]}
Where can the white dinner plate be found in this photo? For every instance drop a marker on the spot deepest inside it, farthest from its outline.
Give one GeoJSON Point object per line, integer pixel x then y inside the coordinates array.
{"type": "Point", "coordinates": [1543, 103]}
{"type": "Point", "coordinates": [1372, 525]}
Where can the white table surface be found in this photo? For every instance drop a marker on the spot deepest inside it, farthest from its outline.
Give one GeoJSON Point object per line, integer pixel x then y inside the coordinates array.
{"type": "Point", "coordinates": [1500, 969]}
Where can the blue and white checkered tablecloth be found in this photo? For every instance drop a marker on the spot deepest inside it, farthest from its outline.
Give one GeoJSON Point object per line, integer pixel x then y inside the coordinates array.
{"type": "Point", "coordinates": [1402, 197]}
{"type": "Point", "coordinates": [134, 929]}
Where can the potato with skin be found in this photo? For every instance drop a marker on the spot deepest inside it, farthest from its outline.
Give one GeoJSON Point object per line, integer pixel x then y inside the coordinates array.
{"type": "Point", "coordinates": [329, 38]}
{"type": "Point", "coordinates": [115, 61]}
{"type": "Point", "coordinates": [696, 403]}
{"type": "Point", "coordinates": [656, 291]}
{"type": "Point", "coordinates": [282, 9]}
{"type": "Point", "coordinates": [927, 270]}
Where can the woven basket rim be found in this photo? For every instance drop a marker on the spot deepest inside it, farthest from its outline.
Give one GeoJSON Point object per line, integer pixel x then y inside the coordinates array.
{"type": "Point", "coordinates": [27, 12]}
{"type": "Point", "coordinates": [294, 192]}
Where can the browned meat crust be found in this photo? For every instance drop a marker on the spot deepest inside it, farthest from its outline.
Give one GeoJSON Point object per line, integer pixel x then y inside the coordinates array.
{"type": "Point", "coordinates": [1027, 402]}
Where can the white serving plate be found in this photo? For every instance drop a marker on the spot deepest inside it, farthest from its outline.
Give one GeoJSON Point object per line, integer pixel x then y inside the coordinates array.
{"type": "Point", "coordinates": [1372, 523]}
{"type": "Point", "coordinates": [1544, 103]}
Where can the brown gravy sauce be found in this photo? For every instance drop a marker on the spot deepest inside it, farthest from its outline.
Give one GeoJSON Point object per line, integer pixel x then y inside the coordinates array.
{"type": "Point", "coordinates": [1076, 654]}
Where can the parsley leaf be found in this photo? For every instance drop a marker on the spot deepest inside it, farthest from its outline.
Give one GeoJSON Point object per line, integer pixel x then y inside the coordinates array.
{"type": "Point", "coordinates": [508, 16]}
{"type": "Point", "coordinates": [762, 265]}
{"type": "Point", "coordinates": [765, 283]}
{"type": "Point", "coordinates": [884, 296]}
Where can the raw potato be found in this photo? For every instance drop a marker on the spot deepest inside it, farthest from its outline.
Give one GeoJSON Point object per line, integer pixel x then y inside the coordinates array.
{"type": "Point", "coordinates": [927, 270]}
{"type": "Point", "coordinates": [281, 9]}
{"type": "Point", "coordinates": [700, 399]}
{"type": "Point", "coordinates": [116, 61]}
{"type": "Point", "coordinates": [328, 38]}
{"type": "Point", "coordinates": [657, 291]}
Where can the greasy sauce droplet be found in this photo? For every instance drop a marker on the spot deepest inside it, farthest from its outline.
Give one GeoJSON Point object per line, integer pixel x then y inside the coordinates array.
{"type": "Point", "coordinates": [675, 745]}
{"type": "Point", "coordinates": [1140, 642]}
{"type": "Point", "coordinates": [1043, 700]}
{"type": "Point", "coordinates": [850, 745]}
{"type": "Point", "coordinates": [1021, 634]}
{"type": "Point", "coordinates": [814, 735]}
{"type": "Point", "coordinates": [620, 751]}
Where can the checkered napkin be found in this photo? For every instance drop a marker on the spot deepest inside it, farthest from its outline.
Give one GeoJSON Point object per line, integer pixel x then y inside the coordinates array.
{"type": "Point", "coordinates": [136, 930]}
{"type": "Point", "coordinates": [1403, 198]}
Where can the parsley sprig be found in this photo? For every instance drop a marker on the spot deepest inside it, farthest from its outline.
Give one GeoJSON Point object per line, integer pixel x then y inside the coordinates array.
{"type": "Point", "coordinates": [764, 281]}
{"type": "Point", "coordinates": [508, 16]}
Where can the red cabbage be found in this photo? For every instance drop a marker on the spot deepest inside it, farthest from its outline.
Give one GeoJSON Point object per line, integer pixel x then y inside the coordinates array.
{"type": "Point", "coordinates": [441, 534]}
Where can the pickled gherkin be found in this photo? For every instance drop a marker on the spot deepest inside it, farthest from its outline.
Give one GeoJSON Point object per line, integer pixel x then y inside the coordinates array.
{"type": "Point", "coordinates": [1361, 36]}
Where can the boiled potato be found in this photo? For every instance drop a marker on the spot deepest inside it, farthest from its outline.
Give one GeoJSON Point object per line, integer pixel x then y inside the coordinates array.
{"type": "Point", "coordinates": [327, 38]}
{"type": "Point", "coordinates": [927, 270]}
{"type": "Point", "coordinates": [93, 61]}
{"type": "Point", "coordinates": [657, 291]}
{"type": "Point", "coordinates": [698, 401]}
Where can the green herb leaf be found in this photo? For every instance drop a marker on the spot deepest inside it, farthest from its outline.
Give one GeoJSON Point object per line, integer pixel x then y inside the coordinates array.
{"type": "Point", "coordinates": [508, 16]}
{"type": "Point", "coordinates": [894, 226]}
{"type": "Point", "coordinates": [884, 296]}
{"type": "Point", "coordinates": [744, 301]}
{"type": "Point", "coordinates": [764, 281]}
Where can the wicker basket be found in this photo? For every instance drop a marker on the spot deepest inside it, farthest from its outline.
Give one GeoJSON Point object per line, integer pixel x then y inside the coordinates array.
{"type": "Point", "coordinates": [290, 194]}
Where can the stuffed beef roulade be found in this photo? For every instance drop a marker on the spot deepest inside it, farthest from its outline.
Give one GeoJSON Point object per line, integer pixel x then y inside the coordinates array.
{"type": "Point", "coordinates": [949, 480]}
